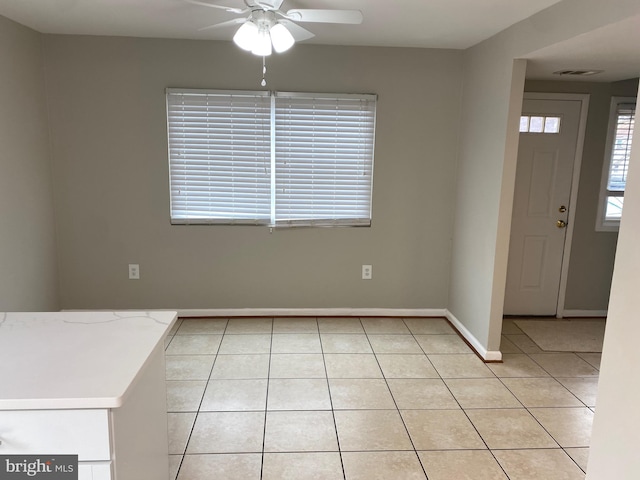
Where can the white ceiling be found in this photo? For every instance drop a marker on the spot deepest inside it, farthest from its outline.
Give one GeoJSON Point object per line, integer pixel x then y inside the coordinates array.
{"type": "Point", "coordinates": [613, 49]}
{"type": "Point", "coordinates": [456, 24]}
{"type": "Point", "coordinates": [399, 23]}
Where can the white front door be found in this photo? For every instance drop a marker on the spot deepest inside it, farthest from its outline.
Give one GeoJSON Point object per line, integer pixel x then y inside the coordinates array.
{"type": "Point", "coordinates": [541, 205]}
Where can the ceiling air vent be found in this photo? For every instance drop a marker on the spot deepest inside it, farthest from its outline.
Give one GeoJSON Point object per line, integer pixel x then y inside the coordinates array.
{"type": "Point", "coordinates": [578, 73]}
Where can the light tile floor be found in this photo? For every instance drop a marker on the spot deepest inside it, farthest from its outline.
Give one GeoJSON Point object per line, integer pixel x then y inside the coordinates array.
{"type": "Point", "coordinates": [371, 398]}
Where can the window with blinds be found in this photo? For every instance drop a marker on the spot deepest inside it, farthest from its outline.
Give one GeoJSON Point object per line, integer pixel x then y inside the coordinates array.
{"type": "Point", "coordinates": [278, 159]}
{"type": "Point", "coordinates": [616, 166]}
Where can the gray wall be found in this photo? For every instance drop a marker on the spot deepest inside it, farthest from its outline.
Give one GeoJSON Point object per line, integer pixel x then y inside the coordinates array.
{"type": "Point", "coordinates": [592, 252]}
{"type": "Point", "coordinates": [107, 109]}
{"type": "Point", "coordinates": [28, 266]}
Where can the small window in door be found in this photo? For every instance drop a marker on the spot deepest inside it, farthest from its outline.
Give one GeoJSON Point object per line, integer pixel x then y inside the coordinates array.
{"type": "Point", "coordinates": [539, 124]}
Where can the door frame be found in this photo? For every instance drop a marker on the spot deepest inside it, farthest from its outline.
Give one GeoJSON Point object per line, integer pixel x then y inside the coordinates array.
{"type": "Point", "coordinates": [583, 98]}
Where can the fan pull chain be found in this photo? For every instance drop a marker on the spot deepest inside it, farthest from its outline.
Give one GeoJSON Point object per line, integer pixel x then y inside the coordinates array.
{"type": "Point", "coordinates": [264, 72]}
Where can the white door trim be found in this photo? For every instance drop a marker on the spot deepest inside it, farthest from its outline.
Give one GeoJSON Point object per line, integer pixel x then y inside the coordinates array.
{"type": "Point", "coordinates": [575, 181]}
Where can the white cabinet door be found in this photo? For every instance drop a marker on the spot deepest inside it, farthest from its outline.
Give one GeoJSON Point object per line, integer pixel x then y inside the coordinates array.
{"type": "Point", "coordinates": [94, 471]}
{"type": "Point", "coordinates": [73, 432]}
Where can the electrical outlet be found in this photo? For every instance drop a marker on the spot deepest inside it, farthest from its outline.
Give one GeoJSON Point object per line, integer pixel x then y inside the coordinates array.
{"type": "Point", "coordinates": [134, 271]}
{"type": "Point", "coordinates": [367, 272]}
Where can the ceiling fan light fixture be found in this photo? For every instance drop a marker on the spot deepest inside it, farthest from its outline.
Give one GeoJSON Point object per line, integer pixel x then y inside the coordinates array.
{"type": "Point", "coordinates": [247, 36]}
{"type": "Point", "coordinates": [262, 43]}
{"type": "Point", "coordinates": [281, 38]}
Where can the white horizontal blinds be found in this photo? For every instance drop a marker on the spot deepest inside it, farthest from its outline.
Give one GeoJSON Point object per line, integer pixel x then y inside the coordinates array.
{"type": "Point", "coordinates": [219, 156]}
{"type": "Point", "coordinates": [621, 149]}
{"type": "Point", "coordinates": [324, 159]}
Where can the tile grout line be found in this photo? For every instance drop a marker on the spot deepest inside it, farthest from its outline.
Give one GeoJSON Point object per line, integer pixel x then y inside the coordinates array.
{"type": "Point", "coordinates": [195, 419]}
{"type": "Point", "coordinates": [266, 403]}
{"type": "Point", "coordinates": [543, 427]}
{"type": "Point", "coordinates": [549, 373]}
{"type": "Point", "coordinates": [442, 379]}
{"type": "Point", "coordinates": [473, 424]}
{"type": "Point", "coordinates": [179, 322]}
{"type": "Point", "coordinates": [559, 383]}
{"type": "Point", "coordinates": [333, 412]}
{"type": "Point", "coordinates": [406, 429]}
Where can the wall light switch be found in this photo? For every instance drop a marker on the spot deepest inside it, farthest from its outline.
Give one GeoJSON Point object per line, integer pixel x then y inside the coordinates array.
{"type": "Point", "coordinates": [134, 271]}
{"type": "Point", "coordinates": [367, 272]}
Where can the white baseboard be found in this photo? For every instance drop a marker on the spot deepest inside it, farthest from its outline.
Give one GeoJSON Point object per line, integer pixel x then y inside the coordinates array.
{"type": "Point", "coordinates": [313, 312]}
{"type": "Point", "coordinates": [487, 355]}
{"type": "Point", "coordinates": [490, 356]}
{"type": "Point", "coordinates": [584, 313]}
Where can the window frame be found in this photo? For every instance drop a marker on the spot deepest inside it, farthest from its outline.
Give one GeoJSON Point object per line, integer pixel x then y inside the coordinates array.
{"type": "Point", "coordinates": [362, 215]}
{"type": "Point", "coordinates": [602, 223]}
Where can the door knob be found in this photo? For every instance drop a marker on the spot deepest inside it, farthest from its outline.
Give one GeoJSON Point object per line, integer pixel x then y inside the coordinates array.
{"type": "Point", "coordinates": [561, 224]}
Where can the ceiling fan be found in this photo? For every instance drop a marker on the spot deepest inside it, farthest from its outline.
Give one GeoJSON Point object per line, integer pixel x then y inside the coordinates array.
{"type": "Point", "coordinates": [268, 28]}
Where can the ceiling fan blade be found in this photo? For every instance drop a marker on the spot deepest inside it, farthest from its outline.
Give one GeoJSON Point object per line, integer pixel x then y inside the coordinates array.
{"type": "Point", "coordinates": [228, 23]}
{"type": "Point", "coordinates": [203, 3]}
{"type": "Point", "coordinates": [299, 33]}
{"type": "Point", "coordinates": [353, 17]}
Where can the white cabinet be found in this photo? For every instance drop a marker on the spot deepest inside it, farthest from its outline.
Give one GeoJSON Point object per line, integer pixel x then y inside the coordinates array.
{"type": "Point", "coordinates": [125, 443]}
{"type": "Point", "coordinates": [95, 471]}
{"type": "Point", "coordinates": [103, 400]}
{"type": "Point", "coordinates": [71, 432]}
{"type": "Point", "coordinates": [85, 433]}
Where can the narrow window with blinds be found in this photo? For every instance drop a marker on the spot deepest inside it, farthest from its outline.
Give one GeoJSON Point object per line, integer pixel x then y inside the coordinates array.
{"type": "Point", "coordinates": [614, 176]}
{"type": "Point", "coordinates": [277, 159]}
